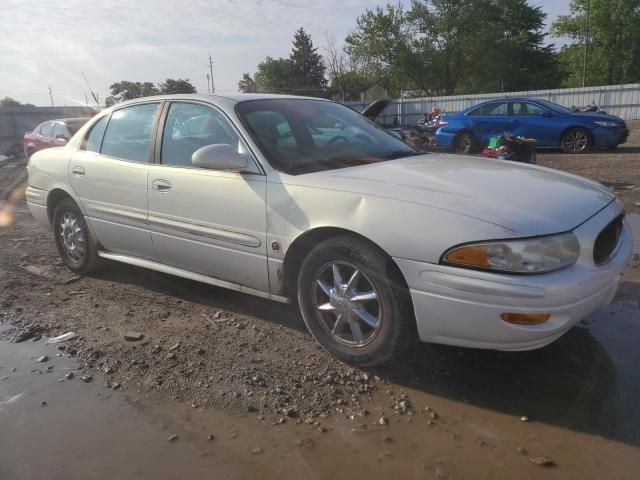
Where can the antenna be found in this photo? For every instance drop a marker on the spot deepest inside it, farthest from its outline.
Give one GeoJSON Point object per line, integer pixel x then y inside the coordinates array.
{"type": "Point", "coordinates": [93, 94]}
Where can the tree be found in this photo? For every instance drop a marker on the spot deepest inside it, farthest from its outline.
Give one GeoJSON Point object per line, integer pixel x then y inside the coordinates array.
{"type": "Point", "coordinates": [346, 78]}
{"type": "Point", "coordinates": [456, 46]}
{"type": "Point", "coordinates": [171, 86]}
{"type": "Point", "coordinates": [307, 66]}
{"type": "Point", "coordinates": [247, 84]}
{"type": "Point", "coordinates": [611, 30]}
{"type": "Point", "coordinates": [126, 90]}
{"type": "Point", "coordinates": [275, 75]}
{"type": "Point", "coordinates": [9, 102]}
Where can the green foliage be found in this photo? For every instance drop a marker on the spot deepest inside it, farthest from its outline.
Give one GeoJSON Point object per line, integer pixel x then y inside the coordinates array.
{"type": "Point", "coordinates": [307, 66]}
{"type": "Point", "coordinates": [274, 75]}
{"type": "Point", "coordinates": [171, 86]}
{"type": "Point", "coordinates": [247, 84]}
{"type": "Point", "coordinates": [300, 74]}
{"type": "Point", "coordinates": [126, 90]}
{"type": "Point", "coordinates": [456, 46]}
{"type": "Point", "coordinates": [614, 42]}
{"type": "Point", "coordinates": [9, 102]}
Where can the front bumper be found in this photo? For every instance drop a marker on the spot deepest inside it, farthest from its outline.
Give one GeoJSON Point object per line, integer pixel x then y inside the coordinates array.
{"type": "Point", "coordinates": [462, 307]}
{"type": "Point", "coordinates": [610, 136]}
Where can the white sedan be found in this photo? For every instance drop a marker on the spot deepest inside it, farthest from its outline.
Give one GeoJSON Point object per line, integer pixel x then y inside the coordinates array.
{"type": "Point", "coordinates": [304, 200]}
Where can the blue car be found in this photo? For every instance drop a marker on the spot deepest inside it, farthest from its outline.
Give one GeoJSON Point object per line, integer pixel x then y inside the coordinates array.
{"type": "Point", "coordinates": [552, 125]}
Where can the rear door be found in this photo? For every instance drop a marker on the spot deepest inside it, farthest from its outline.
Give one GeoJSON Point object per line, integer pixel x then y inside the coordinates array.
{"type": "Point", "coordinates": [490, 120]}
{"type": "Point", "coordinates": [109, 173]}
{"type": "Point", "coordinates": [206, 221]}
{"type": "Point", "coordinates": [534, 121]}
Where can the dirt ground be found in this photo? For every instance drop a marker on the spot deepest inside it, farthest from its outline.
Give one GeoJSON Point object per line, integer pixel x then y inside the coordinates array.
{"type": "Point", "coordinates": [251, 360]}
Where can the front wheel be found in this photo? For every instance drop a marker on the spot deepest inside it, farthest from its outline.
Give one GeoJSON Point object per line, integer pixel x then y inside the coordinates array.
{"type": "Point", "coordinates": [465, 142]}
{"type": "Point", "coordinates": [354, 303]}
{"type": "Point", "coordinates": [73, 239]}
{"type": "Point", "coordinates": [576, 140]}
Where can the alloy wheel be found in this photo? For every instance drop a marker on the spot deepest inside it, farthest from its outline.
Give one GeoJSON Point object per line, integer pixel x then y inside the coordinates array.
{"type": "Point", "coordinates": [73, 236]}
{"type": "Point", "coordinates": [347, 304]}
{"type": "Point", "coordinates": [576, 141]}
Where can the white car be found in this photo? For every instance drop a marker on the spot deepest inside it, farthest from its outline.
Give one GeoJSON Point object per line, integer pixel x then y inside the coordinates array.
{"type": "Point", "coordinates": [305, 200]}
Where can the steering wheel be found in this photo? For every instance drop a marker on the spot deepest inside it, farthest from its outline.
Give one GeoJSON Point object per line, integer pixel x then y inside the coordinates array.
{"type": "Point", "coordinates": [339, 138]}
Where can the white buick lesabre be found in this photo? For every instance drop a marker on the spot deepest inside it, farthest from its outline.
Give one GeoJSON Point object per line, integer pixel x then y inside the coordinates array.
{"type": "Point", "coordinates": [305, 200]}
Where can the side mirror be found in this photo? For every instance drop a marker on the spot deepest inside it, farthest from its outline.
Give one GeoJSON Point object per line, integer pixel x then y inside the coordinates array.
{"type": "Point", "coordinates": [220, 156]}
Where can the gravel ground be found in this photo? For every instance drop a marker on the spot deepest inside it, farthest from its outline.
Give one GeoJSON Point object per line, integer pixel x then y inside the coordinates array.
{"type": "Point", "coordinates": [201, 344]}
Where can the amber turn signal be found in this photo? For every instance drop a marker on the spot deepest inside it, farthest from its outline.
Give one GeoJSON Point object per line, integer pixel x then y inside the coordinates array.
{"type": "Point", "coordinates": [525, 318]}
{"type": "Point", "coordinates": [475, 255]}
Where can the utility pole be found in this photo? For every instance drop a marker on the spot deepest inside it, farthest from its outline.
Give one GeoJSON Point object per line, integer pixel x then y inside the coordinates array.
{"type": "Point", "coordinates": [51, 95]}
{"type": "Point", "coordinates": [586, 47]}
{"type": "Point", "coordinates": [208, 84]}
{"type": "Point", "coordinates": [213, 89]}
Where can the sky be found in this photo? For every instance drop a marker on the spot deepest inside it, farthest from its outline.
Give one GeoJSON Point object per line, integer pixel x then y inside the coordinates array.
{"type": "Point", "coordinates": [48, 43]}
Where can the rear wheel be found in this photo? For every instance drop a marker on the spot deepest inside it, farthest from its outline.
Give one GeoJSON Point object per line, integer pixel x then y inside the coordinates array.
{"type": "Point", "coordinates": [30, 151]}
{"type": "Point", "coordinates": [354, 303]}
{"type": "Point", "coordinates": [465, 142]}
{"type": "Point", "coordinates": [576, 140]}
{"type": "Point", "coordinates": [73, 239]}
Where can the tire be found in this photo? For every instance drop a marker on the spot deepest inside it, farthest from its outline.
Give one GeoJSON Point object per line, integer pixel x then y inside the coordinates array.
{"type": "Point", "coordinates": [465, 142]}
{"type": "Point", "coordinates": [29, 152]}
{"type": "Point", "coordinates": [385, 325]}
{"type": "Point", "coordinates": [73, 238]}
{"type": "Point", "coordinates": [576, 140]}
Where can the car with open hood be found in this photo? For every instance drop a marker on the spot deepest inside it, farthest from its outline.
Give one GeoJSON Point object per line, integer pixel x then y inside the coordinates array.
{"type": "Point", "coordinates": [306, 201]}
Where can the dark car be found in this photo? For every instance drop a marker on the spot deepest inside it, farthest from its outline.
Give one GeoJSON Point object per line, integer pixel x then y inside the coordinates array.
{"type": "Point", "coordinates": [552, 125]}
{"type": "Point", "coordinates": [52, 133]}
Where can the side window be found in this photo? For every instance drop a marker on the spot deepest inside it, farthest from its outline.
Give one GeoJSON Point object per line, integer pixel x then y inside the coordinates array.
{"type": "Point", "coordinates": [491, 110]}
{"type": "Point", "coordinates": [526, 109]}
{"type": "Point", "coordinates": [128, 134]}
{"type": "Point", "coordinates": [190, 126]}
{"type": "Point", "coordinates": [45, 130]}
{"type": "Point", "coordinates": [58, 129]}
{"type": "Point", "coordinates": [93, 140]}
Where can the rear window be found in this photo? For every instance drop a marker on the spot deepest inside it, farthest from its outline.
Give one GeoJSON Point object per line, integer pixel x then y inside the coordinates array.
{"type": "Point", "coordinates": [128, 134]}
{"type": "Point", "coordinates": [45, 130]}
{"type": "Point", "coordinates": [490, 109]}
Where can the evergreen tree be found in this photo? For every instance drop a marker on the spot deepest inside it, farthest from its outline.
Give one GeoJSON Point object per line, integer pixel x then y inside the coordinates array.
{"type": "Point", "coordinates": [307, 66]}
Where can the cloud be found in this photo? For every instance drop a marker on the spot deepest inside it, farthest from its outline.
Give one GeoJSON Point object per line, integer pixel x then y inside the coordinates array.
{"type": "Point", "coordinates": [112, 40]}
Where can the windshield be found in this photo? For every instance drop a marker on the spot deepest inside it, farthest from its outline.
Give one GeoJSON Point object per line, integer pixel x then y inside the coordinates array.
{"type": "Point", "coordinates": [301, 136]}
{"type": "Point", "coordinates": [554, 106]}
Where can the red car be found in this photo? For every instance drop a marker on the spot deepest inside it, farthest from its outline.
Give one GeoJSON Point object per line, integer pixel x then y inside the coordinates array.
{"type": "Point", "coordinates": [52, 133]}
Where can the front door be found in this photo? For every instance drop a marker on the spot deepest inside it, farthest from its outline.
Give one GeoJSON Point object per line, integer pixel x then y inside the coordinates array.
{"type": "Point", "coordinates": [109, 174]}
{"type": "Point", "coordinates": [533, 121]}
{"type": "Point", "coordinates": [490, 120]}
{"type": "Point", "coordinates": [206, 221]}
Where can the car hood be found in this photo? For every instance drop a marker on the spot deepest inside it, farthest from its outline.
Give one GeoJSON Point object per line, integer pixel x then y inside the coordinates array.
{"type": "Point", "coordinates": [599, 117]}
{"type": "Point", "coordinates": [527, 200]}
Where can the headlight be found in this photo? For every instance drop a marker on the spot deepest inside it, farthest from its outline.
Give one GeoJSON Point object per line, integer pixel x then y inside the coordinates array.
{"type": "Point", "coordinates": [532, 255]}
{"type": "Point", "coordinates": [606, 124]}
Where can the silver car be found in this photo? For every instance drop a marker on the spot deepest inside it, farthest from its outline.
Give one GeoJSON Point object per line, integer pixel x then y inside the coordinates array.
{"type": "Point", "coordinates": [307, 201]}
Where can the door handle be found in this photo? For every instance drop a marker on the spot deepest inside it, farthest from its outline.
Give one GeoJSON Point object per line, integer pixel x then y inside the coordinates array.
{"type": "Point", "coordinates": [160, 185]}
{"type": "Point", "coordinates": [78, 171]}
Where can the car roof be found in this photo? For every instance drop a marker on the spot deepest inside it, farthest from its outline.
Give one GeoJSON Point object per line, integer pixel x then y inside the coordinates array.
{"type": "Point", "coordinates": [234, 97]}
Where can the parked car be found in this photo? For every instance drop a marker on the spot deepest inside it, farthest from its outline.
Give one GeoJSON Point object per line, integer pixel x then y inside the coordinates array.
{"type": "Point", "coordinates": [552, 125]}
{"type": "Point", "coordinates": [307, 201]}
{"type": "Point", "coordinates": [52, 133]}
